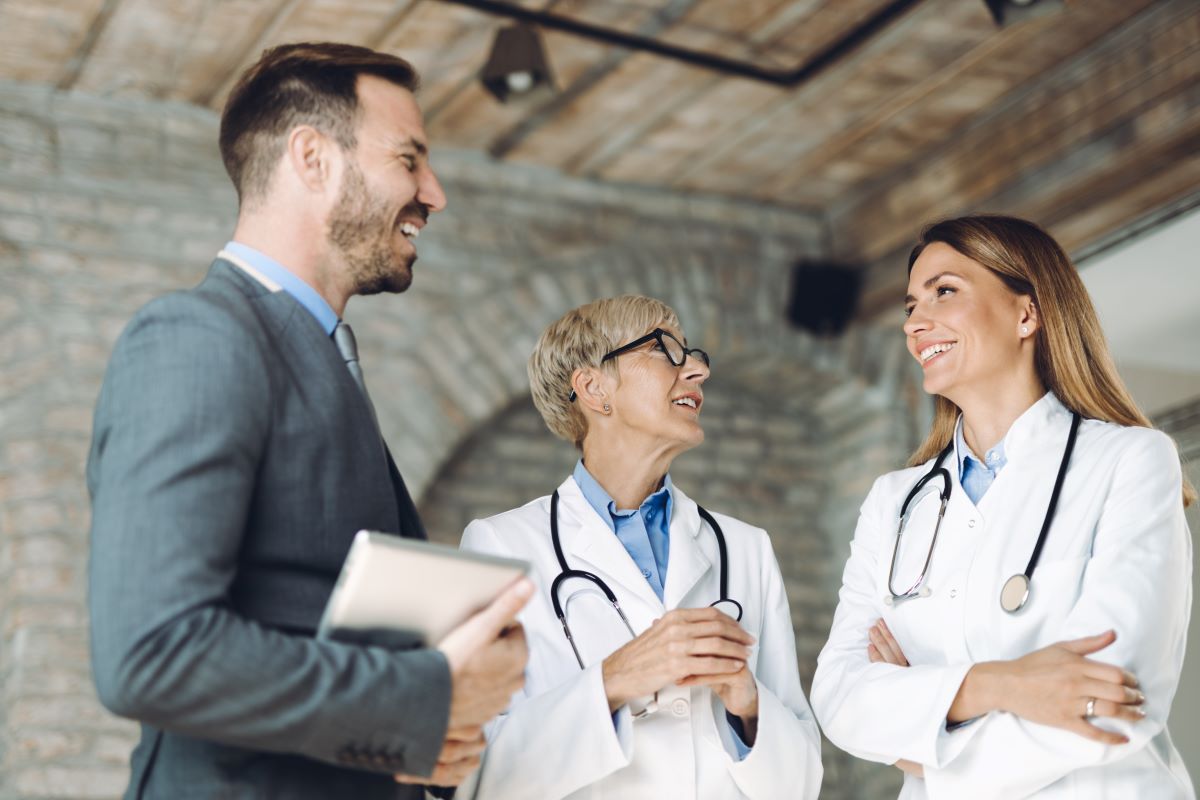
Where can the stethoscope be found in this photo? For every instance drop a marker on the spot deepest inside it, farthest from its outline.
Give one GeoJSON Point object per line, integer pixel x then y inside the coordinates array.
{"type": "Point", "coordinates": [1015, 591]}
{"type": "Point", "coordinates": [567, 573]}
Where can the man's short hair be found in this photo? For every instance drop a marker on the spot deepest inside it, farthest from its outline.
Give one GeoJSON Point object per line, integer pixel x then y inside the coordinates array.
{"type": "Point", "coordinates": [310, 83]}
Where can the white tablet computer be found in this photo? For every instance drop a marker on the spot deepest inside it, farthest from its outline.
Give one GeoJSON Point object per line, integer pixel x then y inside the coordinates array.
{"type": "Point", "coordinates": [398, 592]}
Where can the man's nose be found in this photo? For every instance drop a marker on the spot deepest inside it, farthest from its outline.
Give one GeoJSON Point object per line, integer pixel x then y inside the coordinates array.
{"type": "Point", "coordinates": [430, 192]}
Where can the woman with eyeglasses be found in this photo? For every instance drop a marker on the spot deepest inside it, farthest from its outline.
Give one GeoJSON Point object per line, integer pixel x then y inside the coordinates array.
{"type": "Point", "coordinates": [662, 659]}
{"type": "Point", "coordinates": [1013, 613]}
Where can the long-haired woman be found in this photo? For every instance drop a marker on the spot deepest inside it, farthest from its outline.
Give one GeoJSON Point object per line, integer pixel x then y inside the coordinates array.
{"type": "Point", "coordinates": [1012, 615]}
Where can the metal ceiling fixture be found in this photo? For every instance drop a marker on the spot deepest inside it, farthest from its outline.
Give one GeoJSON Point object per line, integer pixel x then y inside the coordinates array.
{"type": "Point", "coordinates": [517, 64]}
{"type": "Point", "coordinates": [787, 78]}
{"type": "Point", "coordinates": [1007, 12]}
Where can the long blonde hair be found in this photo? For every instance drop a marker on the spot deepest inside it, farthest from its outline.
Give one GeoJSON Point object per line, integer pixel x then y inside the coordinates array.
{"type": "Point", "coordinates": [1070, 354]}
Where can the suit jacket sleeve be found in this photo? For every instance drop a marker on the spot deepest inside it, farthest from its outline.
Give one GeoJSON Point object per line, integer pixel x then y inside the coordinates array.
{"type": "Point", "coordinates": [182, 421]}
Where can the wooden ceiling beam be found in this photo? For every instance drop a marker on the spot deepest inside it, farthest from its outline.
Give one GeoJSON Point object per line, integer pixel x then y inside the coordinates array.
{"type": "Point", "coordinates": [1091, 150]}
{"type": "Point", "coordinates": [74, 67]}
{"type": "Point", "coordinates": [1031, 133]}
{"type": "Point", "coordinates": [762, 33]}
{"type": "Point", "coordinates": [916, 121]}
{"type": "Point", "coordinates": [727, 153]}
{"type": "Point", "coordinates": [548, 110]}
{"type": "Point", "coordinates": [265, 36]}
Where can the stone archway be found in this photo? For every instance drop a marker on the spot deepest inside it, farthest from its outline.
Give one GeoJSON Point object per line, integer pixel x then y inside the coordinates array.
{"type": "Point", "coordinates": [790, 446]}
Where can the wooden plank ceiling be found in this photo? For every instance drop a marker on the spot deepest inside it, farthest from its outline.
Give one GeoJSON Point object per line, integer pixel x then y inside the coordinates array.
{"type": "Point", "coordinates": [1086, 117]}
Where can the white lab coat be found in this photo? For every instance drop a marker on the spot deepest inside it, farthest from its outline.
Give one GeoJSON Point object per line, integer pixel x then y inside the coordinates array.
{"type": "Point", "coordinates": [1118, 556]}
{"type": "Point", "coordinates": [558, 739]}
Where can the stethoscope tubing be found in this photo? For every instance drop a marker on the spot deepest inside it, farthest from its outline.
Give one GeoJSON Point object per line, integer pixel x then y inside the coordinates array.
{"type": "Point", "coordinates": [566, 573]}
{"type": "Point", "coordinates": [938, 471]}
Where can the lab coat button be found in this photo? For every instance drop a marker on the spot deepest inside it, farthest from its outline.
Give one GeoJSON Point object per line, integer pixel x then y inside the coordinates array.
{"type": "Point", "coordinates": [971, 523]}
{"type": "Point", "coordinates": [953, 593]}
{"type": "Point", "coordinates": [680, 707]}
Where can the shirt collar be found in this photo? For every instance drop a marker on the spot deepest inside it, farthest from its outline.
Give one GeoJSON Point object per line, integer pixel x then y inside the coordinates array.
{"type": "Point", "coordinates": [606, 507]}
{"type": "Point", "coordinates": [993, 461]}
{"type": "Point", "coordinates": [1022, 437]}
{"type": "Point", "coordinates": [305, 295]}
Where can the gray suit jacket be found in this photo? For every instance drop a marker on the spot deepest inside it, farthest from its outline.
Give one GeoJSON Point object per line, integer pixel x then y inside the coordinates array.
{"type": "Point", "coordinates": [233, 459]}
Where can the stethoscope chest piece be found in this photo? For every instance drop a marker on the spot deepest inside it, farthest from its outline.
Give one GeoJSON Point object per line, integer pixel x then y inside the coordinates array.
{"type": "Point", "coordinates": [1014, 593]}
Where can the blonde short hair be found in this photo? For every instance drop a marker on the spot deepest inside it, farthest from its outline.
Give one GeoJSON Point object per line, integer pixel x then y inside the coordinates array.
{"type": "Point", "coordinates": [579, 339]}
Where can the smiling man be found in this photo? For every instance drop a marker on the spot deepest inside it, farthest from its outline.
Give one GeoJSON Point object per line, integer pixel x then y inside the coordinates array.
{"type": "Point", "coordinates": [235, 454]}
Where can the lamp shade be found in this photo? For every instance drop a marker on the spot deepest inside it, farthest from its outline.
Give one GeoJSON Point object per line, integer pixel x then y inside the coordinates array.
{"type": "Point", "coordinates": [517, 63]}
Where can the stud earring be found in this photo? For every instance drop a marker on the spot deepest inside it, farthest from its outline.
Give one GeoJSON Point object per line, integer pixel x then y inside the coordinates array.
{"type": "Point", "coordinates": [1024, 329]}
{"type": "Point", "coordinates": [607, 408]}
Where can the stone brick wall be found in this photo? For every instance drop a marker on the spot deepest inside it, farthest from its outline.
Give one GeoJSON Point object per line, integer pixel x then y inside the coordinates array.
{"type": "Point", "coordinates": [105, 203]}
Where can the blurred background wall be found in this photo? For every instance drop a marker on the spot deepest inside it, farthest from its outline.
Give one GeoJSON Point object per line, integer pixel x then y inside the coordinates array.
{"type": "Point", "coordinates": [636, 173]}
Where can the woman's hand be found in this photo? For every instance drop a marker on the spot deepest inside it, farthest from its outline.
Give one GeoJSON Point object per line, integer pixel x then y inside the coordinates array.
{"type": "Point", "coordinates": [1052, 686]}
{"type": "Point", "coordinates": [883, 647]}
{"type": "Point", "coordinates": [739, 694]}
{"type": "Point", "coordinates": [688, 642]}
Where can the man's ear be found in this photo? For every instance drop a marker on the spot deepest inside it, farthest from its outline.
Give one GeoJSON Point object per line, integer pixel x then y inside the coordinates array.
{"type": "Point", "coordinates": [311, 156]}
{"type": "Point", "coordinates": [590, 390]}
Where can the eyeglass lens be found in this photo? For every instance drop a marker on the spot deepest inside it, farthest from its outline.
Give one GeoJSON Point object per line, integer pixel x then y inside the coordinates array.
{"type": "Point", "coordinates": [677, 353]}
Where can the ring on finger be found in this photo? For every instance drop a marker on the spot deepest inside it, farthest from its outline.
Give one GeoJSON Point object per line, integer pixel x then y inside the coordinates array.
{"type": "Point", "coordinates": [1090, 711]}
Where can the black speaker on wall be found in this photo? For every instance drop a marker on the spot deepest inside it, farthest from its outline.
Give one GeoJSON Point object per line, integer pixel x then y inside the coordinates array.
{"type": "Point", "coordinates": [823, 297]}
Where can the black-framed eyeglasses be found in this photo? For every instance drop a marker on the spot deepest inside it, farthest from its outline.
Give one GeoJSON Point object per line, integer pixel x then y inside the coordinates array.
{"type": "Point", "coordinates": [674, 349]}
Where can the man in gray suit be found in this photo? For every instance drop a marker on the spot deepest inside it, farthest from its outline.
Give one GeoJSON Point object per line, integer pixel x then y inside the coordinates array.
{"type": "Point", "coordinates": [235, 453]}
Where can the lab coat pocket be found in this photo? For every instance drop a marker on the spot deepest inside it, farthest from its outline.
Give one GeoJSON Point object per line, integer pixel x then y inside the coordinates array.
{"type": "Point", "coordinates": [1053, 592]}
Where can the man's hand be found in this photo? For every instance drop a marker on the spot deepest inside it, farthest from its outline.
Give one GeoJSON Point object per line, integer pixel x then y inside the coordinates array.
{"type": "Point", "coordinates": [458, 759]}
{"type": "Point", "coordinates": [487, 656]}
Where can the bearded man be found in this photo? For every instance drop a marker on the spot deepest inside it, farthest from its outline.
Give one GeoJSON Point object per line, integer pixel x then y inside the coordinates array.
{"type": "Point", "coordinates": [236, 452]}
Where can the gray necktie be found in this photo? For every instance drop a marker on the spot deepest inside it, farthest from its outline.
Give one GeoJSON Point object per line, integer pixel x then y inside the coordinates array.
{"type": "Point", "coordinates": [343, 337]}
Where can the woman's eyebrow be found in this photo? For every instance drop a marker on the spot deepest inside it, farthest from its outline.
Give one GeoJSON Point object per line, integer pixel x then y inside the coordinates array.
{"type": "Point", "coordinates": [908, 298]}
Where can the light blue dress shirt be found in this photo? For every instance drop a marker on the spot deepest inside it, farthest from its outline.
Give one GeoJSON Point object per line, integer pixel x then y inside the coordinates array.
{"type": "Point", "coordinates": [305, 295]}
{"type": "Point", "coordinates": [976, 475]}
{"type": "Point", "coordinates": [645, 532]}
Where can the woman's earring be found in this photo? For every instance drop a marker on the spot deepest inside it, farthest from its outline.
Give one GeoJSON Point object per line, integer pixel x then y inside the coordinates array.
{"type": "Point", "coordinates": [1024, 329]}
{"type": "Point", "coordinates": [607, 408]}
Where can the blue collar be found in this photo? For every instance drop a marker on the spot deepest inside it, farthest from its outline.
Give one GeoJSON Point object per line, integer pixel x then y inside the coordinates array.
{"type": "Point", "coordinates": [305, 295]}
{"type": "Point", "coordinates": [993, 461]}
{"type": "Point", "coordinates": [606, 507]}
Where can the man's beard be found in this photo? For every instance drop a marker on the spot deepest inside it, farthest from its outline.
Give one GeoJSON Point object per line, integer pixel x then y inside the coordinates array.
{"type": "Point", "coordinates": [362, 229]}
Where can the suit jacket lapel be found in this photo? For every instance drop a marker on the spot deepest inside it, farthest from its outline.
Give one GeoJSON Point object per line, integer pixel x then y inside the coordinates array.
{"type": "Point", "coordinates": [687, 563]}
{"type": "Point", "coordinates": [593, 547]}
{"type": "Point", "coordinates": [410, 524]}
{"type": "Point", "coordinates": [317, 368]}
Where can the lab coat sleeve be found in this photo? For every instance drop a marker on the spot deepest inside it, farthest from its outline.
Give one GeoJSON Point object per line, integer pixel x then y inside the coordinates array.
{"type": "Point", "coordinates": [786, 755]}
{"type": "Point", "coordinates": [880, 712]}
{"type": "Point", "coordinates": [1138, 583]}
{"type": "Point", "coordinates": [554, 743]}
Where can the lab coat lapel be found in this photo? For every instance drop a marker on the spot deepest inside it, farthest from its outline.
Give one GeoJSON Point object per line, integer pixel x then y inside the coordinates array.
{"type": "Point", "coordinates": [687, 563]}
{"type": "Point", "coordinates": [592, 546]}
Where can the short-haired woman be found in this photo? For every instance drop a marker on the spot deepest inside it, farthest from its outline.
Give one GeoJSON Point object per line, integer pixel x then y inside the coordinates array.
{"type": "Point", "coordinates": [662, 660]}
{"type": "Point", "coordinates": [1012, 616]}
